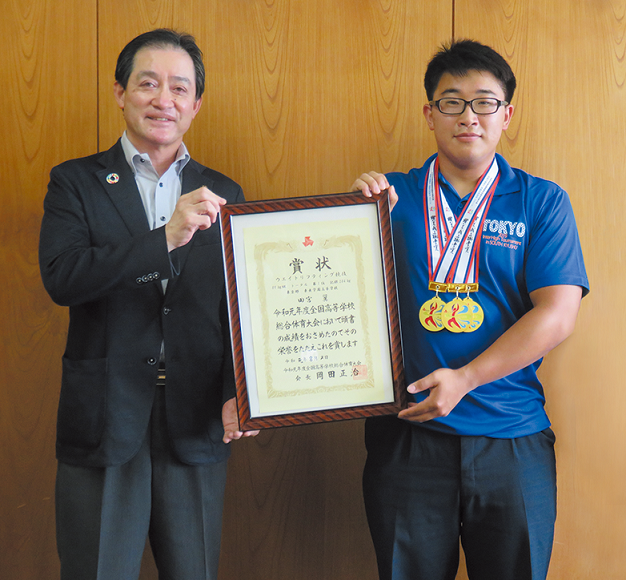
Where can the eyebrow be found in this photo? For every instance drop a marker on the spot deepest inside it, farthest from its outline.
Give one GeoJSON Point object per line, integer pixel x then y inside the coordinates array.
{"type": "Point", "coordinates": [153, 75]}
{"type": "Point", "coordinates": [454, 91]}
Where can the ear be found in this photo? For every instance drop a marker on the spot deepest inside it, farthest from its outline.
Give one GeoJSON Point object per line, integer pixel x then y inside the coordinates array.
{"type": "Point", "coordinates": [196, 107]}
{"type": "Point", "coordinates": [508, 113]}
{"type": "Point", "coordinates": [428, 115]}
{"type": "Point", "coordinates": [119, 93]}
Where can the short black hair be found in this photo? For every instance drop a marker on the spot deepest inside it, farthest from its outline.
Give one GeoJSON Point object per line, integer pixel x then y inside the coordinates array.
{"type": "Point", "coordinates": [160, 38]}
{"type": "Point", "coordinates": [460, 57]}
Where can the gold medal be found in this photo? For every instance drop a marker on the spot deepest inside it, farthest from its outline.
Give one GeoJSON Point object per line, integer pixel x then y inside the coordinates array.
{"type": "Point", "coordinates": [456, 316]}
{"type": "Point", "coordinates": [476, 313]}
{"type": "Point", "coordinates": [459, 315]}
{"type": "Point", "coordinates": [430, 314]}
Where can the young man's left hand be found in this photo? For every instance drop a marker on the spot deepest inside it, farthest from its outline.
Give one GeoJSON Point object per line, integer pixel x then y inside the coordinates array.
{"type": "Point", "coordinates": [447, 388]}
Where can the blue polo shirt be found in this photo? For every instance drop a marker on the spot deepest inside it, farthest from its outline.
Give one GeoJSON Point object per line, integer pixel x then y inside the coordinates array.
{"type": "Point", "coordinates": [529, 241]}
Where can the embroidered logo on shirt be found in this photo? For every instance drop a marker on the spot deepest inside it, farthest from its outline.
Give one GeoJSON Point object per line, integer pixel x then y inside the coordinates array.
{"type": "Point", "coordinates": [504, 233]}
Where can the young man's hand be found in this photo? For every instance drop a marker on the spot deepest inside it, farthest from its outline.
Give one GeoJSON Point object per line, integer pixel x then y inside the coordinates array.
{"type": "Point", "coordinates": [374, 183]}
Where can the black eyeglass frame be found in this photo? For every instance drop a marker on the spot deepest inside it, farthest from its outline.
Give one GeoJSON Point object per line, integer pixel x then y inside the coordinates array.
{"type": "Point", "coordinates": [470, 103]}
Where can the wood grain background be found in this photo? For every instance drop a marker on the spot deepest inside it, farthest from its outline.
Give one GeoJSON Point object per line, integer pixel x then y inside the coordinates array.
{"type": "Point", "coordinates": [302, 96]}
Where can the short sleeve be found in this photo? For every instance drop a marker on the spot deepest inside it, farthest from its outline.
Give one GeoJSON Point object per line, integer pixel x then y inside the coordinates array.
{"type": "Point", "coordinates": [554, 253]}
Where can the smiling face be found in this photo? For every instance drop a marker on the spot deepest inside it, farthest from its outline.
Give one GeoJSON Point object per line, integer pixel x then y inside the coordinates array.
{"type": "Point", "coordinates": [159, 101]}
{"type": "Point", "coordinates": [467, 142]}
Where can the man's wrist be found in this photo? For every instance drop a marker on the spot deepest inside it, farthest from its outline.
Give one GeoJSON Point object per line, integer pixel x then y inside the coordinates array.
{"type": "Point", "coordinates": [469, 377]}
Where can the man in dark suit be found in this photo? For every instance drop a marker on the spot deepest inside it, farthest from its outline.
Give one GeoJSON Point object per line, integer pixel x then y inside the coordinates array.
{"type": "Point", "coordinates": [129, 243]}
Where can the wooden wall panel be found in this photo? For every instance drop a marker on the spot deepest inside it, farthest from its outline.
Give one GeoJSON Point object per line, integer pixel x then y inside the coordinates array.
{"type": "Point", "coordinates": [314, 92]}
{"type": "Point", "coordinates": [569, 126]}
{"type": "Point", "coordinates": [49, 114]}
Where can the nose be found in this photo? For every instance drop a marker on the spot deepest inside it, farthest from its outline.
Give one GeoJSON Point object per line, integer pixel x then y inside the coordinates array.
{"type": "Point", "coordinates": [163, 98]}
{"type": "Point", "coordinates": [468, 117]}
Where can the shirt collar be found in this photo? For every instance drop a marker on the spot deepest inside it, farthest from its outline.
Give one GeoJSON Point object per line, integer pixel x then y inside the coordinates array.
{"type": "Point", "coordinates": [509, 182]}
{"type": "Point", "coordinates": [135, 159]}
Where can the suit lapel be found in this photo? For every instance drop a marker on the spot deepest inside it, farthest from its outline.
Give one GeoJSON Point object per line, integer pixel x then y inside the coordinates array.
{"type": "Point", "coordinates": [118, 181]}
{"type": "Point", "coordinates": [193, 177]}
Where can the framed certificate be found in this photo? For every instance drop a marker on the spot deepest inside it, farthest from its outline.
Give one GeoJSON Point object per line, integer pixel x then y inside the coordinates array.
{"type": "Point", "coordinates": [313, 309]}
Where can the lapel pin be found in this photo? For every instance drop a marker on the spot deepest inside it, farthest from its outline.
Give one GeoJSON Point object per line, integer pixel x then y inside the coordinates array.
{"type": "Point", "coordinates": [113, 178]}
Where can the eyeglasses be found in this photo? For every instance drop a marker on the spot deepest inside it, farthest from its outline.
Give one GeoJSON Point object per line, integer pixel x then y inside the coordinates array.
{"type": "Point", "coordinates": [481, 106]}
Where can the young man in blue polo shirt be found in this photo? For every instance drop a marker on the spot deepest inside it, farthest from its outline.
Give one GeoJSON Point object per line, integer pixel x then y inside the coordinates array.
{"type": "Point", "coordinates": [490, 276]}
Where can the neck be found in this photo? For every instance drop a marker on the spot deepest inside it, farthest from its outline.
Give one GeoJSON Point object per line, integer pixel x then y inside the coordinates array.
{"type": "Point", "coordinates": [160, 157]}
{"type": "Point", "coordinates": [463, 179]}
{"type": "Point", "coordinates": [162, 161]}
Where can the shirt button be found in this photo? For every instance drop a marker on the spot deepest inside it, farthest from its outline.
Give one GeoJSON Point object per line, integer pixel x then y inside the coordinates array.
{"type": "Point", "coordinates": [160, 185]}
{"type": "Point", "coordinates": [163, 218]}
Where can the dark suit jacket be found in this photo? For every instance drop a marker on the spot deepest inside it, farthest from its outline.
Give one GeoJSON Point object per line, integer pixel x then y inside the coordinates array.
{"type": "Point", "coordinates": [99, 257]}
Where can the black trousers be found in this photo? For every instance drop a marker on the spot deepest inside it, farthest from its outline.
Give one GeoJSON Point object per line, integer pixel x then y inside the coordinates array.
{"type": "Point", "coordinates": [105, 515]}
{"type": "Point", "coordinates": [424, 490]}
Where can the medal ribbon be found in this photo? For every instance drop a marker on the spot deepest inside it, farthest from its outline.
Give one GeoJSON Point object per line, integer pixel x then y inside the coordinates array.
{"type": "Point", "coordinates": [454, 245]}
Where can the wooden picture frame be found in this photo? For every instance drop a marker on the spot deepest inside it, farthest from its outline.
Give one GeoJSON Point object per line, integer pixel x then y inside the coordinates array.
{"type": "Point", "coordinates": [313, 309]}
